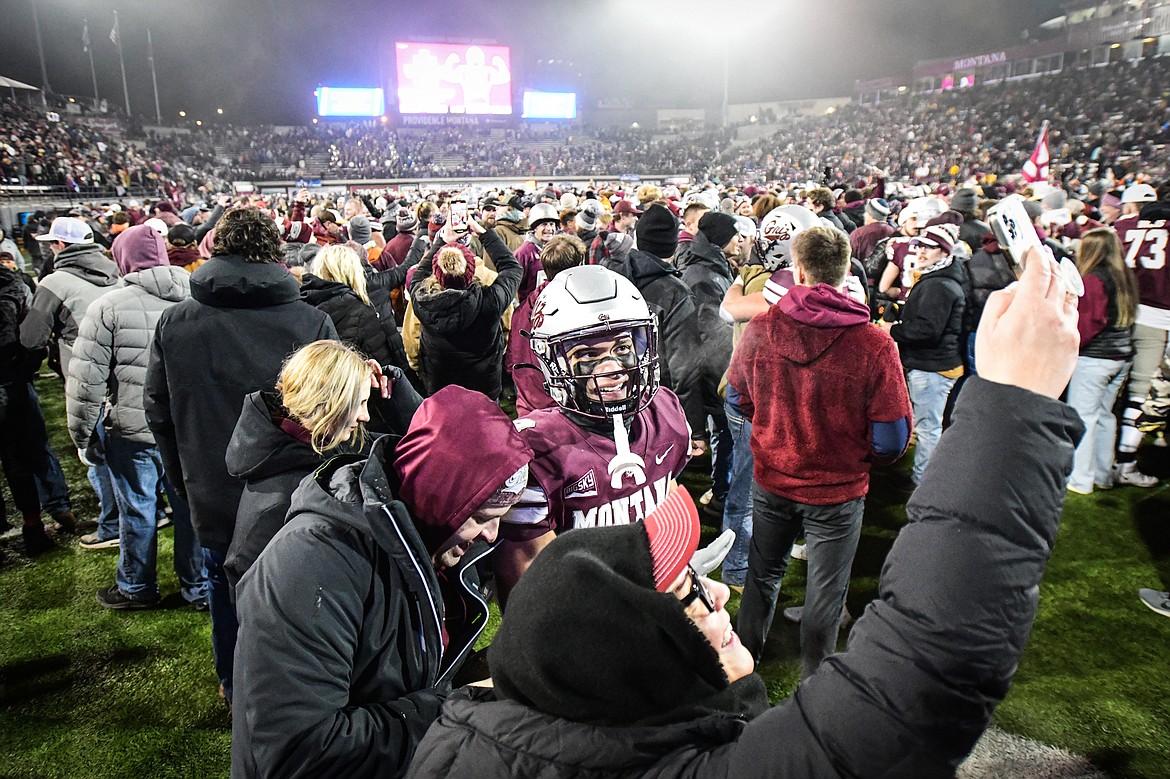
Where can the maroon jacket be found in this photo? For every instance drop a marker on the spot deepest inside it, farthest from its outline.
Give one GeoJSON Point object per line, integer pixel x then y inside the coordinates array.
{"type": "Point", "coordinates": [813, 374]}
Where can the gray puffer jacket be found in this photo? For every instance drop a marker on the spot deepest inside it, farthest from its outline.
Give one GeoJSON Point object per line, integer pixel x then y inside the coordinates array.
{"type": "Point", "coordinates": [82, 273]}
{"type": "Point", "coordinates": [111, 351]}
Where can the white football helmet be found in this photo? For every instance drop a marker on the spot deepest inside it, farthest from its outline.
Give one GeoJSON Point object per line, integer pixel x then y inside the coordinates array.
{"type": "Point", "coordinates": [589, 302]}
{"type": "Point", "coordinates": [777, 229]}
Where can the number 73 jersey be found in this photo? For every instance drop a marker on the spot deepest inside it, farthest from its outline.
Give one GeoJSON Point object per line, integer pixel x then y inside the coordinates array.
{"type": "Point", "coordinates": [1146, 240]}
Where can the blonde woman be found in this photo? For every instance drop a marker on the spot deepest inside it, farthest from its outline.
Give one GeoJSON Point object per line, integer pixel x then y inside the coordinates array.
{"type": "Point", "coordinates": [320, 407]}
{"type": "Point", "coordinates": [336, 284]}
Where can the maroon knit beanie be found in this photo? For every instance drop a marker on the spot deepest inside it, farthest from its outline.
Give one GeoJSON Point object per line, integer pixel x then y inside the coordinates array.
{"type": "Point", "coordinates": [454, 266]}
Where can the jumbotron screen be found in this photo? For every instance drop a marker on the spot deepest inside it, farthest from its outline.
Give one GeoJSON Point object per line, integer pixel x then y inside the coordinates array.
{"type": "Point", "coordinates": [453, 78]}
{"type": "Point", "coordinates": [549, 105]}
{"type": "Point", "coordinates": [349, 101]}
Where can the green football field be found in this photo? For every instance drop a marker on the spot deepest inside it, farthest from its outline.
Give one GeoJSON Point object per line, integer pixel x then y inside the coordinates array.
{"type": "Point", "coordinates": [92, 693]}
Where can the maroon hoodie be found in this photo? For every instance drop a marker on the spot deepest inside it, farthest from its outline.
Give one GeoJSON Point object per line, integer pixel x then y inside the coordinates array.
{"type": "Point", "coordinates": [137, 248]}
{"type": "Point", "coordinates": [460, 448]}
{"type": "Point", "coordinates": [813, 374]}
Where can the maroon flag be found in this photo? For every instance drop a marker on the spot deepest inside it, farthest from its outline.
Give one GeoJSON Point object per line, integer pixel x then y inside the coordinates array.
{"type": "Point", "coordinates": [1036, 168]}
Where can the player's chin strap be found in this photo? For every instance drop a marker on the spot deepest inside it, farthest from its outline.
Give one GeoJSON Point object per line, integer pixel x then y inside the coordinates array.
{"type": "Point", "coordinates": [625, 463]}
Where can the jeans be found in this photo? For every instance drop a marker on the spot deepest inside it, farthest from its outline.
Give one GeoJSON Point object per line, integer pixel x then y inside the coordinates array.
{"type": "Point", "coordinates": [831, 534]}
{"type": "Point", "coordinates": [51, 487]}
{"type": "Point", "coordinates": [737, 506]}
{"type": "Point", "coordinates": [1092, 392]}
{"type": "Point", "coordinates": [103, 486]}
{"type": "Point", "coordinates": [135, 472]}
{"type": "Point", "coordinates": [224, 625]}
{"type": "Point", "coordinates": [928, 396]}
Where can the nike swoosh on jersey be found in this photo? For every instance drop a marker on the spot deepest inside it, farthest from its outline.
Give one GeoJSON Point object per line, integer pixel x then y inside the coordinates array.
{"type": "Point", "coordinates": [658, 458]}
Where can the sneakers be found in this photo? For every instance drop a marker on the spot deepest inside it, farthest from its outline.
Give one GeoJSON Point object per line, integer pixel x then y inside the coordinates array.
{"type": "Point", "coordinates": [1080, 491]}
{"type": "Point", "coordinates": [799, 552]}
{"type": "Point", "coordinates": [163, 521]}
{"type": "Point", "coordinates": [36, 541]}
{"type": "Point", "coordinates": [1128, 475]}
{"type": "Point", "coordinates": [113, 598]}
{"type": "Point", "coordinates": [794, 614]}
{"type": "Point", "coordinates": [94, 541]}
{"type": "Point", "coordinates": [1157, 601]}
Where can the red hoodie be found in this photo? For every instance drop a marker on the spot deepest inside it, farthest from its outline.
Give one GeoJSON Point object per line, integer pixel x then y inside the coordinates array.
{"type": "Point", "coordinates": [812, 374]}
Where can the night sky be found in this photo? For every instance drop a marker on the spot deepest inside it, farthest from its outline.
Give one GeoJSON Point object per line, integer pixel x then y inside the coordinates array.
{"type": "Point", "coordinates": [260, 59]}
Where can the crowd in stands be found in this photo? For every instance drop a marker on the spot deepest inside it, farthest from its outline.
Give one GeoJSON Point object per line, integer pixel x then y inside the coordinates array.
{"type": "Point", "coordinates": [1099, 117]}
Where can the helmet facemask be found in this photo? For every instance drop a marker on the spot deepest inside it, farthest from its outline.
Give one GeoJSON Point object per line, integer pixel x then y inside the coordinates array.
{"type": "Point", "coordinates": [608, 369]}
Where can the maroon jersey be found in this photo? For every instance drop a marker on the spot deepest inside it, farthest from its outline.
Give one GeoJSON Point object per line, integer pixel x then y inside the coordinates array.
{"type": "Point", "coordinates": [570, 483]}
{"type": "Point", "coordinates": [1146, 244]}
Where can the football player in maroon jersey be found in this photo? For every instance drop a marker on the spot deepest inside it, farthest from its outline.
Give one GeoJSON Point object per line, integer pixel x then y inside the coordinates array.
{"type": "Point", "coordinates": [1145, 232]}
{"type": "Point", "coordinates": [611, 448]}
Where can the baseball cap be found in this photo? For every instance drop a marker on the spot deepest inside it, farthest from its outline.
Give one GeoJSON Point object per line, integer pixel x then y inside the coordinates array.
{"type": "Point", "coordinates": [67, 229]}
{"type": "Point", "coordinates": [626, 207]}
{"type": "Point", "coordinates": [673, 531]}
{"type": "Point", "coordinates": [1139, 193]}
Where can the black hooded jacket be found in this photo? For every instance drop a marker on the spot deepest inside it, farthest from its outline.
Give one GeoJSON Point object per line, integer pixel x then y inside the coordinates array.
{"type": "Point", "coordinates": [271, 464]}
{"type": "Point", "coordinates": [357, 323]}
{"type": "Point", "coordinates": [930, 335]}
{"type": "Point", "coordinates": [350, 633]}
{"type": "Point", "coordinates": [925, 666]}
{"type": "Point", "coordinates": [227, 340]}
{"type": "Point", "coordinates": [462, 341]}
{"type": "Point", "coordinates": [708, 275]}
{"type": "Point", "coordinates": [679, 341]}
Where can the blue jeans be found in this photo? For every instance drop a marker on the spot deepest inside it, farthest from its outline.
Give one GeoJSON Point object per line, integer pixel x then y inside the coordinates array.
{"type": "Point", "coordinates": [50, 479]}
{"type": "Point", "coordinates": [928, 396]}
{"type": "Point", "coordinates": [737, 506]}
{"type": "Point", "coordinates": [830, 535]}
{"type": "Point", "coordinates": [1092, 392]}
{"type": "Point", "coordinates": [224, 624]}
{"type": "Point", "coordinates": [135, 472]}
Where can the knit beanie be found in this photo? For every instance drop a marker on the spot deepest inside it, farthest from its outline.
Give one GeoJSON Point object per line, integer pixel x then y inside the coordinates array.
{"type": "Point", "coordinates": [939, 236]}
{"type": "Point", "coordinates": [454, 266]}
{"type": "Point", "coordinates": [591, 635]}
{"type": "Point", "coordinates": [965, 200]}
{"type": "Point", "coordinates": [718, 227]}
{"type": "Point", "coordinates": [657, 232]}
{"type": "Point", "coordinates": [1054, 201]}
{"type": "Point", "coordinates": [406, 221]}
{"type": "Point", "coordinates": [359, 230]}
{"type": "Point", "coordinates": [878, 209]}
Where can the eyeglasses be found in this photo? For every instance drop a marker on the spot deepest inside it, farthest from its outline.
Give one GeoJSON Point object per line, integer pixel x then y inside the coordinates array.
{"type": "Point", "coordinates": [698, 592]}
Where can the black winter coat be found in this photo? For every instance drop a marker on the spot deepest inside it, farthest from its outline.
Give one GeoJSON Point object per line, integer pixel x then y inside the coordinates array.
{"type": "Point", "coordinates": [990, 270]}
{"type": "Point", "coordinates": [17, 364]}
{"type": "Point", "coordinates": [340, 665]}
{"type": "Point", "coordinates": [679, 342]}
{"type": "Point", "coordinates": [227, 340]}
{"type": "Point", "coordinates": [707, 273]}
{"type": "Point", "coordinates": [462, 340]}
{"type": "Point", "coordinates": [271, 464]}
{"type": "Point", "coordinates": [930, 335]}
{"type": "Point", "coordinates": [357, 323]}
{"type": "Point", "coordinates": [925, 666]}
